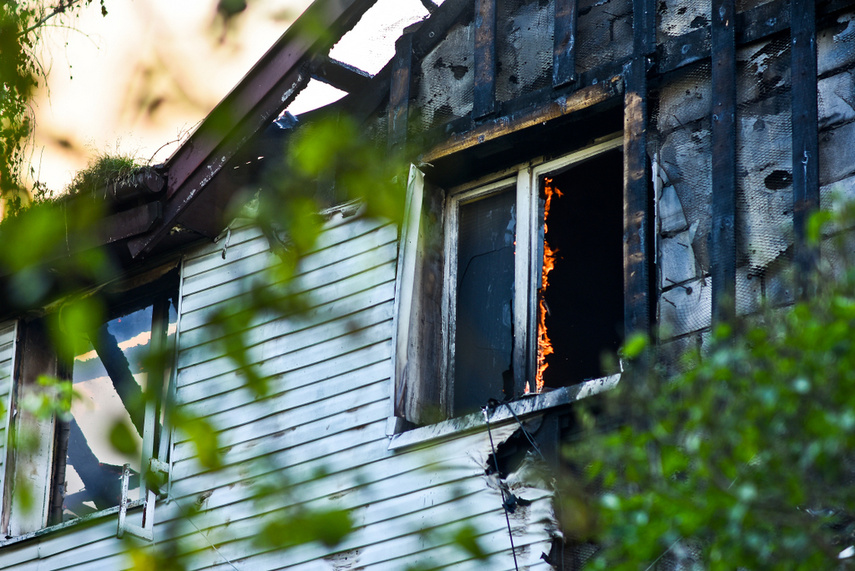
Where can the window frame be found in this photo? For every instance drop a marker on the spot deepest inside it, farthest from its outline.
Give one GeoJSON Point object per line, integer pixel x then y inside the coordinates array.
{"type": "Point", "coordinates": [155, 289]}
{"type": "Point", "coordinates": [526, 178]}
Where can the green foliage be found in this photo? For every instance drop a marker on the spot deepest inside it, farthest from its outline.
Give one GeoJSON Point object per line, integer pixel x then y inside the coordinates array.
{"type": "Point", "coordinates": [21, 22]}
{"type": "Point", "coordinates": [743, 460]}
{"type": "Point", "coordinates": [297, 526]}
{"type": "Point", "coordinates": [53, 401]}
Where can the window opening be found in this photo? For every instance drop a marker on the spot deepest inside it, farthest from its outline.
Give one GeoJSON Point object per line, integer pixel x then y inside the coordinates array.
{"type": "Point", "coordinates": [484, 337]}
{"type": "Point", "coordinates": [111, 374]}
{"type": "Point", "coordinates": [120, 373]}
{"type": "Point", "coordinates": [582, 306]}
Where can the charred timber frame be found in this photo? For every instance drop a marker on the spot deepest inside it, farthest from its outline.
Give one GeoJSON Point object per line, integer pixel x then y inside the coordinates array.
{"type": "Point", "coordinates": [723, 265]}
{"type": "Point", "coordinates": [636, 187]}
{"type": "Point", "coordinates": [399, 92]}
{"type": "Point", "coordinates": [264, 92]}
{"type": "Point", "coordinates": [804, 126]}
{"type": "Point", "coordinates": [564, 50]}
{"type": "Point", "coordinates": [484, 99]}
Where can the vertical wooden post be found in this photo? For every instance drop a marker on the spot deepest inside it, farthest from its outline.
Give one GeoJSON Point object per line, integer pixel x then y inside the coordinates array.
{"type": "Point", "coordinates": [723, 263]}
{"type": "Point", "coordinates": [484, 102]}
{"type": "Point", "coordinates": [399, 92]}
{"type": "Point", "coordinates": [636, 241]}
{"type": "Point", "coordinates": [564, 50]}
{"type": "Point", "coordinates": [804, 125]}
{"type": "Point", "coordinates": [636, 210]}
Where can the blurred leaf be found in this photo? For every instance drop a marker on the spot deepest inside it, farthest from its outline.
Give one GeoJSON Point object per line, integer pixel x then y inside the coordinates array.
{"type": "Point", "coordinates": [122, 439]}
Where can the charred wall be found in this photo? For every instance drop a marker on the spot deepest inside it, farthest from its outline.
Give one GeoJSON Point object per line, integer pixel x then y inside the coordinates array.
{"type": "Point", "coordinates": [681, 153]}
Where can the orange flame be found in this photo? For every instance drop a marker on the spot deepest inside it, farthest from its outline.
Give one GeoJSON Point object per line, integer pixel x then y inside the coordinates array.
{"type": "Point", "coordinates": [544, 345]}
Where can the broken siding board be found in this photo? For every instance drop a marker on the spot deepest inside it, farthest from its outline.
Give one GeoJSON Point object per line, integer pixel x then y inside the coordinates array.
{"type": "Point", "coordinates": [440, 499]}
{"type": "Point", "coordinates": [479, 505]}
{"type": "Point", "coordinates": [723, 236]}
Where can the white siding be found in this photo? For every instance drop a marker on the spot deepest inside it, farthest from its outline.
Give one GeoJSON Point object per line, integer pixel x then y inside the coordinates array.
{"type": "Point", "coordinates": [8, 332]}
{"type": "Point", "coordinates": [326, 413]}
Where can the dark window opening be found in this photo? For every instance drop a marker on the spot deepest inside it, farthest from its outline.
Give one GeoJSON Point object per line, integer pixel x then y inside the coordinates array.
{"type": "Point", "coordinates": [585, 296]}
{"type": "Point", "coordinates": [484, 336]}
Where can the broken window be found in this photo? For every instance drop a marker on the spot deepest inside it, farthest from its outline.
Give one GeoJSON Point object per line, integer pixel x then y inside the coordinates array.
{"type": "Point", "coordinates": [531, 274]}
{"type": "Point", "coordinates": [69, 465]}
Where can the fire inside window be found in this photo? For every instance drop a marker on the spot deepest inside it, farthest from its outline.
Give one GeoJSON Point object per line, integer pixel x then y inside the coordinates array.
{"type": "Point", "coordinates": [581, 299]}
{"type": "Point", "coordinates": [576, 290]}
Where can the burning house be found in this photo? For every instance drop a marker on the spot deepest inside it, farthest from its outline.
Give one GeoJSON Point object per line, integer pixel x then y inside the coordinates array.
{"type": "Point", "coordinates": [581, 170]}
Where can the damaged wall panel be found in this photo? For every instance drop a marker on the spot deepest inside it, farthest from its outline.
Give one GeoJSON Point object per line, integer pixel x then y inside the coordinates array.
{"type": "Point", "coordinates": [604, 33]}
{"type": "Point", "coordinates": [447, 80]}
{"type": "Point", "coordinates": [524, 50]}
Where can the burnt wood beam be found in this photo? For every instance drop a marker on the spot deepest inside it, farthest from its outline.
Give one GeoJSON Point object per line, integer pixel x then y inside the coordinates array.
{"type": "Point", "coordinates": [484, 98]}
{"type": "Point", "coordinates": [116, 364]}
{"type": "Point", "coordinates": [635, 199]}
{"type": "Point", "coordinates": [723, 259]}
{"type": "Point", "coordinates": [643, 27]}
{"type": "Point", "coordinates": [530, 116]}
{"type": "Point", "coordinates": [263, 93]}
{"type": "Point", "coordinates": [804, 126]}
{"type": "Point", "coordinates": [339, 74]}
{"type": "Point", "coordinates": [399, 92]}
{"type": "Point", "coordinates": [636, 173]}
{"type": "Point", "coordinates": [564, 47]}
{"type": "Point", "coordinates": [131, 222]}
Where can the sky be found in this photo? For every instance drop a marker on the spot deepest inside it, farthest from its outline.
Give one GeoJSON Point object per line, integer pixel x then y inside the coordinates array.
{"type": "Point", "coordinates": [139, 80]}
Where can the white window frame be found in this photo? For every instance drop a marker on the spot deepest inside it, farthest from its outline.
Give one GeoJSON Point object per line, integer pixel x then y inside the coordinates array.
{"type": "Point", "coordinates": [19, 524]}
{"type": "Point", "coordinates": [526, 178]}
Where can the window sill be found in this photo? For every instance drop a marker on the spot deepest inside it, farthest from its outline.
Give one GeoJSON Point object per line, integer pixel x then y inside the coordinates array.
{"type": "Point", "coordinates": [525, 406]}
{"type": "Point", "coordinates": [69, 524]}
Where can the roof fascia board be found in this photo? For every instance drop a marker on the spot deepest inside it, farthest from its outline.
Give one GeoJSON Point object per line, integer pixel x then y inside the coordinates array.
{"type": "Point", "coordinates": [261, 95]}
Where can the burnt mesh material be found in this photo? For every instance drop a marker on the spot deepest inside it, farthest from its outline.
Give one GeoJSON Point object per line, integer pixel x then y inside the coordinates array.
{"type": "Point", "coordinates": [524, 44]}
{"type": "Point", "coordinates": [604, 33]}
{"type": "Point", "coordinates": [680, 117]}
{"type": "Point", "coordinates": [447, 78]}
{"type": "Point", "coordinates": [677, 18]}
{"type": "Point", "coordinates": [764, 170]}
